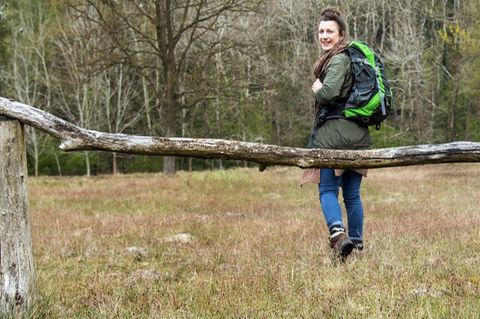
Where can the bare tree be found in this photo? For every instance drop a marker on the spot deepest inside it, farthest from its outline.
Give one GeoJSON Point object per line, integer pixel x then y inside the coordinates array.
{"type": "Point", "coordinates": [28, 78]}
{"type": "Point", "coordinates": [119, 110]}
{"type": "Point", "coordinates": [79, 86]}
{"type": "Point", "coordinates": [165, 40]}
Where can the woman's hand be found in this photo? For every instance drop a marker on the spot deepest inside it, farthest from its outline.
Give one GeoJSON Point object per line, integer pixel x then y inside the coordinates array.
{"type": "Point", "coordinates": [317, 85]}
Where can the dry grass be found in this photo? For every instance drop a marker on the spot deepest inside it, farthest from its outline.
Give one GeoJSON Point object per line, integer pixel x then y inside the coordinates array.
{"type": "Point", "coordinates": [260, 248]}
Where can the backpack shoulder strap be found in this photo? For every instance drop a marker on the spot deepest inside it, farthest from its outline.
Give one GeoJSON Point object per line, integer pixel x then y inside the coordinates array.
{"type": "Point", "coordinates": [359, 48]}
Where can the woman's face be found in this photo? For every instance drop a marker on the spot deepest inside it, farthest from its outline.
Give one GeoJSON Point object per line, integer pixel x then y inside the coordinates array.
{"type": "Point", "coordinates": [328, 34]}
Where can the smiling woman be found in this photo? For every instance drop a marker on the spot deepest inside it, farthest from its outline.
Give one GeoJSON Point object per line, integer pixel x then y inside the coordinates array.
{"type": "Point", "coordinates": [329, 34]}
{"type": "Point", "coordinates": [331, 130]}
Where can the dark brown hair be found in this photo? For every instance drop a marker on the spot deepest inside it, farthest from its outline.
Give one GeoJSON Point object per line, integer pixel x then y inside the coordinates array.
{"type": "Point", "coordinates": [331, 14]}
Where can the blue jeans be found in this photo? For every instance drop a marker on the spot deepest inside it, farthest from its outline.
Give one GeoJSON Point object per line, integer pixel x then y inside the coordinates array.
{"type": "Point", "coordinates": [328, 189]}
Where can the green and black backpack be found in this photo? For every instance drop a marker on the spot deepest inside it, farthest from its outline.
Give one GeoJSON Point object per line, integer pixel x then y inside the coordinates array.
{"type": "Point", "coordinates": [370, 99]}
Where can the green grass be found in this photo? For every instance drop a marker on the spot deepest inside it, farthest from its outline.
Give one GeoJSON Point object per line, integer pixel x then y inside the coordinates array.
{"type": "Point", "coordinates": [260, 248]}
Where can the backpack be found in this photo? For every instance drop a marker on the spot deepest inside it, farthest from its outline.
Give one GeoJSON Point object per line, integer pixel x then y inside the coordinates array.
{"type": "Point", "coordinates": [370, 99]}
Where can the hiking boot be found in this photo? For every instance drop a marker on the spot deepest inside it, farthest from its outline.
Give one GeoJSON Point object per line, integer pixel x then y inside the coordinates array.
{"type": "Point", "coordinates": [341, 245]}
{"type": "Point", "coordinates": [358, 244]}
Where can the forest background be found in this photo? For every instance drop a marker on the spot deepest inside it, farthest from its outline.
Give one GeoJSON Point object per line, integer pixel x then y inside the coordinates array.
{"type": "Point", "coordinates": [231, 69]}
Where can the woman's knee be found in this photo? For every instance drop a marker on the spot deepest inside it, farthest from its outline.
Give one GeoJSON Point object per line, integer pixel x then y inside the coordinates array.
{"type": "Point", "coordinates": [352, 199]}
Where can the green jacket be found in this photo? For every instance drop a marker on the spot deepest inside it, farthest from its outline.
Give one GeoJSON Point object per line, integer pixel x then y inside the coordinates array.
{"type": "Point", "coordinates": [336, 79]}
{"type": "Point", "coordinates": [338, 133]}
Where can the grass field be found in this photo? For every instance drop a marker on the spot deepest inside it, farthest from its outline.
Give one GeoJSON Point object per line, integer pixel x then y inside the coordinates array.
{"type": "Point", "coordinates": [259, 247]}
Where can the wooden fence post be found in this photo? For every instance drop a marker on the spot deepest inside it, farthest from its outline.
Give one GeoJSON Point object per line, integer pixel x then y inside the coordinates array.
{"type": "Point", "coordinates": [16, 259]}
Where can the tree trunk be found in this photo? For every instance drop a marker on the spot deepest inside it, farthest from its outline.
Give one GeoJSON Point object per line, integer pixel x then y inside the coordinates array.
{"type": "Point", "coordinates": [453, 116]}
{"type": "Point", "coordinates": [171, 131]}
{"type": "Point", "coordinates": [59, 167]}
{"type": "Point", "coordinates": [169, 165]}
{"type": "Point", "coordinates": [275, 129]}
{"type": "Point", "coordinates": [164, 11]}
{"type": "Point", "coordinates": [36, 155]}
{"type": "Point", "coordinates": [16, 260]}
{"type": "Point", "coordinates": [171, 115]}
{"type": "Point", "coordinates": [114, 164]}
{"type": "Point", "coordinates": [87, 164]}
{"type": "Point", "coordinates": [468, 118]}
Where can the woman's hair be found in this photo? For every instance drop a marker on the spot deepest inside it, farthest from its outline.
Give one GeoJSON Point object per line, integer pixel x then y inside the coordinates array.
{"type": "Point", "coordinates": [331, 14]}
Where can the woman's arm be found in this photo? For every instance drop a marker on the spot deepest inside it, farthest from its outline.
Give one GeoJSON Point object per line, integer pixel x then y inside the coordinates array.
{"type": "Point", "coordinates": [335, 74]}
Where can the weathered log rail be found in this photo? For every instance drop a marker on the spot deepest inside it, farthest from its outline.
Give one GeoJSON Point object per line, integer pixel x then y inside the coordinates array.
{"type": "Point", "coordinates": [16, 261]}
{"type": "Point", "coordinates": [77, 138]}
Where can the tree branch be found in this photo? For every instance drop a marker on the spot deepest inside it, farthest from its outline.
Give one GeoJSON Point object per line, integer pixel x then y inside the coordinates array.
{"type": "Point", "coordinates": [76, 138]}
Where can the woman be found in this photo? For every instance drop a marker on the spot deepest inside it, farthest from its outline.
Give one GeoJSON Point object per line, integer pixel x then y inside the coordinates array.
{"type": "Point", "coordinates": [332, 131]}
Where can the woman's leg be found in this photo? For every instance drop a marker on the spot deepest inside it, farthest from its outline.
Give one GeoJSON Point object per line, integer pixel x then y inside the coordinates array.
{"type": "Point", "coordinates": [328, 193]}
{"type": "Point", "coordinates": [328, 189]}
{"type": "Point", "coordinates": [351, 182]}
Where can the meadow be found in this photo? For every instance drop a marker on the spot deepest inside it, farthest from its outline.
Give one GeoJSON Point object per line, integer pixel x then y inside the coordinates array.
{"type": "Point", "coordinates": [256, 246]}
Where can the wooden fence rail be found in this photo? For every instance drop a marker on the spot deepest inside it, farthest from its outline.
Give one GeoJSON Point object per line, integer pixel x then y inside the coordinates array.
{"type": "Point", "coordinates": [77, 138]}
{"type": "Point", "coordinates": [16, 261]}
